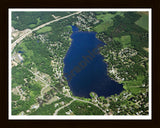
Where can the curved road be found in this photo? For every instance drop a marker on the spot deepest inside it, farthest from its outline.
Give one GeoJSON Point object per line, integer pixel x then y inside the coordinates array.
{"type": "Point", "coordinates": [90, 103]}
{"type": "Point", "coordinates": [57, 110]}
{"type": "Point", "coordinates": [74, 99]}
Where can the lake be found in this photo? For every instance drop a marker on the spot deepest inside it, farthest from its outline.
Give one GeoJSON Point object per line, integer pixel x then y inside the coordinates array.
{"type": "Point", "coordinates": [85, 69]}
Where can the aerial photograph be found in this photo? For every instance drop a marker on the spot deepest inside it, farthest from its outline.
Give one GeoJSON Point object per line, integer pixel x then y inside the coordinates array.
{"type": "Point", "coordinates": [79, 62]}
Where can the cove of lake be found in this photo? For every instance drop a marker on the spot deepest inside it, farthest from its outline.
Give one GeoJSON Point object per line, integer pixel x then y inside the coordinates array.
{"type": "Point", "coordinates": [86, 73]}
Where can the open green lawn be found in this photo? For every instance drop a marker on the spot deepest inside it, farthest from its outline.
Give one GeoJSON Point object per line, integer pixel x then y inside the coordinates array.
{"type": "Point", "coordinates": [32, 25]}
{"type": "Point", "coordinates": [103, 26]}
{"type": "Point", "coordinates": [107, 21]}
{"type": "Point", "coordinates": [125, 40]}
{"type": "Point", "coordinates": [44, 29]}
{"type": "Point", "coordinates": [135, 86]}
{"type": "Point", "coordinates": [143, 21]}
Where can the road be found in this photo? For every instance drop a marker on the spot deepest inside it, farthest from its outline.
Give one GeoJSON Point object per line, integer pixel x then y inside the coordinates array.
{"type": "Point", "coordinates": [42, 80]}
{"type": "Point", "coordinates": [47, 84]}
{"type": "Point", "coordinates": [74, 99]}
{"type": "Point", "coordinates": [57, 110]}
{"type": "Point", "coordinates": [39, 27]}
{"type": "Point", "coordinates": [90, 103]}
{"type": "Point", "coordinates": [19, 39]}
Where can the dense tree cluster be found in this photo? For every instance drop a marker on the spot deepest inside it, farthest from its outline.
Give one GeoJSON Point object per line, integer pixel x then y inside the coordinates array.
{"type": "Point", "coordinates": [24, 20]}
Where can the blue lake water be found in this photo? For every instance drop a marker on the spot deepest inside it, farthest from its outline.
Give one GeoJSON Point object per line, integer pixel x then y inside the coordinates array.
{"type": "Point", "coordinates": [85, 69]}
{"type": "Point", "coordinates": [20, 51]}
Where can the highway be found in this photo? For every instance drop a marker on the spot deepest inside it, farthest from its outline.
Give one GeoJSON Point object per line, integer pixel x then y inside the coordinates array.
{"type": "Point", "coordinates": [39, 27]}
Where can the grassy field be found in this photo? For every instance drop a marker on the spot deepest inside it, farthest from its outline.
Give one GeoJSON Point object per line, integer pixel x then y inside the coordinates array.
{"type": "Point", "coordinates": [32, 25]}
{"type": "Point", "coordinates": [44, 29]}
{"type": "Point", "coordinates": [125, 40]}
{"type": "Point", "coordinates": [107, 21]}
{"type": "Point", "coordinates": [134, 86]}
{"type": "Point", "coordinates": [143, 21]}
{"type": "Point", "coordinates": [103, 26]}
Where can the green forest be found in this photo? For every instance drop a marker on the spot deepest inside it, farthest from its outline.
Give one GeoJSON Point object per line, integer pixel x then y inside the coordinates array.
{"type": "Point", "coordinates": [24, 20]}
